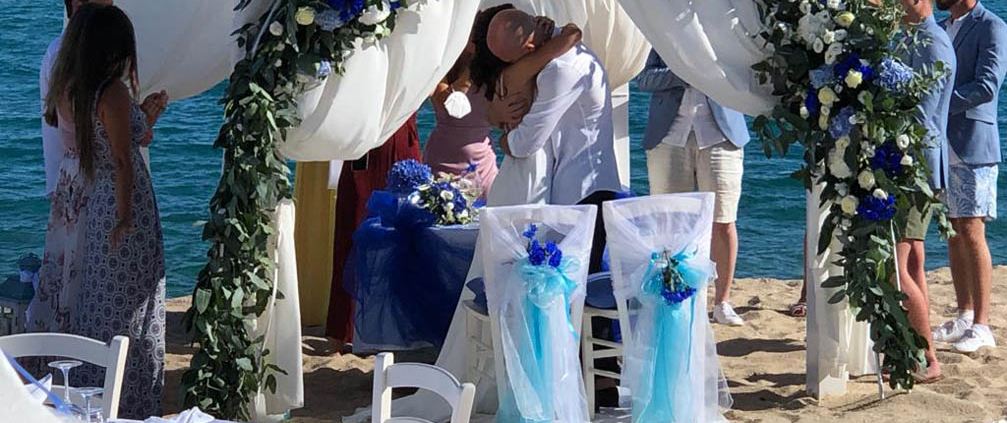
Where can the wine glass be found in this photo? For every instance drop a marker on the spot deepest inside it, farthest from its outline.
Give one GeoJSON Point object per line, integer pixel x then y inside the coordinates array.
{"type": "Point", "coordinates": [91, 415]}
{"type": "Point", "coordinates": [65, 366]}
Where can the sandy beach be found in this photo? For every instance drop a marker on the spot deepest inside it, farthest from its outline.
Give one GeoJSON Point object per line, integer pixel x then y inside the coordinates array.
{"type": "Point", "coordinates": [763, 361]}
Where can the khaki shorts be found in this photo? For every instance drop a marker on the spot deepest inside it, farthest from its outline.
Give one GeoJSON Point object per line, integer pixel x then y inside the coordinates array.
{"type": "Point", "coordinates": [917, 224]}
{"type": "Point", "coordinates": [716, 169]}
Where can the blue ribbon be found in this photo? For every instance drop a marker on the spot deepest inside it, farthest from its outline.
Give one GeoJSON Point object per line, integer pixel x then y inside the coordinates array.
{"type": "Point", "coordinates": [663, 364]}
{"type": "Point", "coordinates": [56, 401]}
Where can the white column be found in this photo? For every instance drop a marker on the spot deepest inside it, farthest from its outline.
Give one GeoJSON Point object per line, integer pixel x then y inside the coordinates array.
{"type": "Point", "coordinates": [620, 125]}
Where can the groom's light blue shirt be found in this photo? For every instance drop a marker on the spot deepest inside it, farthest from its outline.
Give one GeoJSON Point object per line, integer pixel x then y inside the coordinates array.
{"type": "Point", "coordinates": [935, 46]}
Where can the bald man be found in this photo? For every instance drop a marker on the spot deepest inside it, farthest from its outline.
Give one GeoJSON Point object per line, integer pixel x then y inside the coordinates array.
{"type": "Point", "coordinates": [571, 115]}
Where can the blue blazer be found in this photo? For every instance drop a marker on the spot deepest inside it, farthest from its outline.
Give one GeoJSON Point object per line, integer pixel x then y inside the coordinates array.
{"type": "Point", "coordinates": [932, 111]}
{"type": "Point", "coordinates": [981, 48]}
{"type": "Point", "coordinates": [667, 91]}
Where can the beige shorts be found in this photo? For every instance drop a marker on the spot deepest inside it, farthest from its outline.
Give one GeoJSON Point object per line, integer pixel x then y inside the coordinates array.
{"type": "Point", "coordinates": [716, 169]}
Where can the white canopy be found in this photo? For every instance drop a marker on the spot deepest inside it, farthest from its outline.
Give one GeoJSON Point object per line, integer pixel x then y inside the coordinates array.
{"type": "Point", "coordinates": [710, 44]}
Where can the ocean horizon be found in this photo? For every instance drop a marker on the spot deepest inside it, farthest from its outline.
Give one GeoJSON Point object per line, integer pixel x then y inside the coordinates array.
{"type": "Point", "coordinates": [186, 169]}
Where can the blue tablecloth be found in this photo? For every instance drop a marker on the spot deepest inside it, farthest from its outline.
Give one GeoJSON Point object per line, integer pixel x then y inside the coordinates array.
{"type": "Point", "coordinates": [406, 283]}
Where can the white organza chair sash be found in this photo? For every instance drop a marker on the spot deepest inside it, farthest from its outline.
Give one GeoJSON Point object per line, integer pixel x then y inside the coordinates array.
{"type": "Point", "coordinates": [671, 365]}
{"type": "Point", "coordinates": [536, 345]}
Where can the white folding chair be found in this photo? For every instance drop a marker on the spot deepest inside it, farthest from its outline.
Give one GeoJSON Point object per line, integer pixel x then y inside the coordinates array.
{"type": "Point", "coordinates": [111, 356]}
{"type": "Point", "coordinates": [388, 375]}
{"type": "Point", "coordinates": [605, 348]}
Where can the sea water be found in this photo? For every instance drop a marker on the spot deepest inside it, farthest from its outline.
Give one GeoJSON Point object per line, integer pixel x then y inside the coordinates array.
{"type": "Point", "coordinates": [185, 168]}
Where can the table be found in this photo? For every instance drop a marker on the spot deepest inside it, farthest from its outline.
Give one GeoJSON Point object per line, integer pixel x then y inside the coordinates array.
{"type": "Point", "coordinates": [406, 283]}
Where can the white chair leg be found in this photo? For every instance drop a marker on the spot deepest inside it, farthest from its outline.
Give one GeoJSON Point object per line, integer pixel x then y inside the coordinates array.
{"type": "Point", "coordinates": [587, 362]}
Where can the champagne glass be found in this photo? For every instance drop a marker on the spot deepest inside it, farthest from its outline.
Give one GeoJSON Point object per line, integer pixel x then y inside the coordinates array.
{"type": "Point", "coordinates": [91, 415]}
{"type": "Point", "coordinates": [65, 366]}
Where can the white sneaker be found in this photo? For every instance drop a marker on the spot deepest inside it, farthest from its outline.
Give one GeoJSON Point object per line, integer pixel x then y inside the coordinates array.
{"type": "Point", "coordinates": [724, 314]}
{"type": "Point", "coordinates": [976, 337]}
{"type": "Point", "coordinates": [952, 330]}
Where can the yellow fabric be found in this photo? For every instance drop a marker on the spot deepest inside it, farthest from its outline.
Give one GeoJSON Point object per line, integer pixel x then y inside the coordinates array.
{"type": "Point", "coordinates": [313, 236]}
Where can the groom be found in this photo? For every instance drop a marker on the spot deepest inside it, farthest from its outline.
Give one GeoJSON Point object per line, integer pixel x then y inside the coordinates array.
{"type": "Point", "coordinates": [571, 115]}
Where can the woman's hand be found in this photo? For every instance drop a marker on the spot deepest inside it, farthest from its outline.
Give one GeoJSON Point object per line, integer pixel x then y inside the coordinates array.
{"type": "Point", "coordinates": [572, 33]}
{"type": "Point", "coordinates": [125, 226]}
{"type": "Point", "coordinates": [545, 25]}
{"type": "Point", "coordinates": [154, 105]}
{"type": "Point", "coordinates": [507, 111]}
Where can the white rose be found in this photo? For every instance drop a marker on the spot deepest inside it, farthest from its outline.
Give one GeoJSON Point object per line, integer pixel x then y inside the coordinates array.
{"type": "Point", "coordinates": [837, 165]}
{"type": "Point", "coordinates": [902, 141]}
{"type": "Point", "coordinates": [279, 62]}
{"type": "Point", "coordinates": [849, 204]}
{"type": "Point", "coordinates": [805, 7]}
{"type": "Point", "coordinates": [447, 195]}
{"type": "Point", "coordinates": [276, 29]}
{"type": "Point", "coordinates": [842, 143]}
{"type": "Point", "coordinates": [880, 194]}
{"type": "Point", "coordinates": [842, 189]}
{"type": "Point", "coordinates": [804, 112]}
{"type": "Point", "coordinates": [854, 78]}
{"type": "Point", "coordinates": [833, 52]}
{"type": "Point", "coordinates": [835, 4]}
{"type": "Point", "coordinates": [866, 179]}
{"type": "Point", "coordinates": [374, 15]}
{"type": "Point", "coordinates": [449, 206]}
{"type": "Point", "coordinates": [867, 148]}
{"type": "Point", "coordinates": [845, 19]}
{"type": "Point", "coordinates": [826, 95]}
{"type": "Point", "coordinates": [840, 34]}
{"type": "Point", "coordinates": [823, 122]}
{"type": "Point", "coordinates": [305, 16]}
{"type": "Point", "coordinates": [818, 45]}
{"type": "Point", "coordinates": [829, 37]}
{"type": "Point", "coordinates": [907, 160]}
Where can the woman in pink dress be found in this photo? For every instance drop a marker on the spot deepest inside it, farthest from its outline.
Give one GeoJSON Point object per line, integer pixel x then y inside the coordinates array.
{"type": "Point", "coordinates": [458, 143]}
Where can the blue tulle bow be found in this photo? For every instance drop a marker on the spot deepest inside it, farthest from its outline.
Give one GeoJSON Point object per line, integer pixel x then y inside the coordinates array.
{"type": "Point", "coordinates": [663, 370]}
{"type": "Point", "coordinates": [547, 284]}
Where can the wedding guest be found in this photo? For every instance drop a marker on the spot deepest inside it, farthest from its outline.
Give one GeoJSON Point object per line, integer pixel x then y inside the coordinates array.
{"type": "Point", "coordinates": [67, 190]}
{"type": "Point", "coordinates": [980, 41]}
{"type": "Point", "coordinates": [571, 115]}
{"type": "Point", "coordinates": [460, 142]}
{"type": "Point", "coordinates": [357, 181]}
{"type": "Point", "coordinates": [693, 144]}
{"type": "Point", "coordinates": [933, 46]}
{"type": "Point", "coordinates": [122, 291]}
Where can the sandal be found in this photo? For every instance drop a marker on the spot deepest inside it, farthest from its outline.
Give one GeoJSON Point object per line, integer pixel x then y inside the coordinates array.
{"type": "Point", "coordinates": [798, 310]}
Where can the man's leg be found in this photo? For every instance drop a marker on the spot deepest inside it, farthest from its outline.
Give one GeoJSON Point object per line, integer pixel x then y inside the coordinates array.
{"type": "Point", "coordinates": [978, 260]}
{"type": "Point", "coordinates": [961, 274]}
{"type": "Point", "coordinates": [719, 169]}
{"type": "Point", "coordinates": [919, 311]}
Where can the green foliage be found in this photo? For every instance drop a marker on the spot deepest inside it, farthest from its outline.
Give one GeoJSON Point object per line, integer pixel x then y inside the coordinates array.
{"type": "Point", "coordinates": [235, 286]}
{"type": "Point", "coordinates": [883, 117]}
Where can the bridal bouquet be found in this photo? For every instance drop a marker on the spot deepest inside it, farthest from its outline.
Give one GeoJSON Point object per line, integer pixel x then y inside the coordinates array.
{"type": "Point", "coordinates": [849, 98]}
{"type": "Point", "coordinates": [450, 199]}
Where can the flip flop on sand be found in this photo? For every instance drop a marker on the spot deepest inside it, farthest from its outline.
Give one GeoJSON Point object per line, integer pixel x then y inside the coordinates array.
{"type": "Point", "coordinates": [798, 310]}
{"type": "Point", "coordinates": [922, 379]}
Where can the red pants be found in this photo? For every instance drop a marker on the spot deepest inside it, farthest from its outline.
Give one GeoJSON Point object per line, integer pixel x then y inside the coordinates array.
{"type": "Point", "coordinates": [355, 187]}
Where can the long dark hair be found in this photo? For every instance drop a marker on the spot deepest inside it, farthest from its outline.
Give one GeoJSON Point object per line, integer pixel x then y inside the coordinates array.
{"type": "Point", "coordinates": [486, 67]}
{"type": "Point", "coordinates": [99, 48]}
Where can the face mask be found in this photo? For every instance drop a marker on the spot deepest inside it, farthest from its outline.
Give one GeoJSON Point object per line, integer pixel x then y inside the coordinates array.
{"type": "Point", "coordinates": [457, 105]}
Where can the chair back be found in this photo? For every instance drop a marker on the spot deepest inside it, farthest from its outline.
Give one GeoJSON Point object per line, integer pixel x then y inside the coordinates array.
{"type": "Point", "coordinates": [388, 375]}
{"type": "Point", "coordinates": [111, 356]}
{"type": "Point", "coordinates": [535, 336]}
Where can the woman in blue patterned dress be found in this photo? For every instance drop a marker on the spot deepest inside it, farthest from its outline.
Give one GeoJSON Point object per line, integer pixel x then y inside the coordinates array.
{"type": "Point", "coordinates": [123, 283]}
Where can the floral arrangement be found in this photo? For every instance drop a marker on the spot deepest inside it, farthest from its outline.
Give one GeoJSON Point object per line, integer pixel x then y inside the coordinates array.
{"type": "Point", "coordinates": [289, 49]}
{"type": "Point", "coordinates": [846, 96]}
{"type": "Point", "coordinates": [451, 199]}
{"type": "Point", "coordinates": [674, 290]}
{"type": "Point", "coordinates": [408, 175]}
{"type": "Point", "coordinates": [538, 255]}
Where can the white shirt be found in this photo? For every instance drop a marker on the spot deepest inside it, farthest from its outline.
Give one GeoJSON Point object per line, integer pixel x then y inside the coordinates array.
{"type": "Point", "coordinates": [694, 116]}
{"type": "Point", "coordinates": [52, 144]}
{"type": "Point", "coordinates": [955, 25]}
{"type": "Point", "coordinates": [572, 113]}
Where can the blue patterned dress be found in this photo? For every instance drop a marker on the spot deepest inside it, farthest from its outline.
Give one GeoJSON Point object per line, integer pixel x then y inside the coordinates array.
{"type": "Point", "coordinates": [123, 289]}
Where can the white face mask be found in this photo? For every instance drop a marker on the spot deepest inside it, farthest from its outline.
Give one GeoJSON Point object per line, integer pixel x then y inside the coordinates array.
{"type": "Point", "coordinates": [457, 105]}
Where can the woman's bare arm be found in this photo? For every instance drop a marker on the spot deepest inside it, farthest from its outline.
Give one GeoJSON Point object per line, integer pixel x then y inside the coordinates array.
{"type": "Point", "coordinates": [115, 112]}
{"type": "Point", "coordinates": [520, 74]}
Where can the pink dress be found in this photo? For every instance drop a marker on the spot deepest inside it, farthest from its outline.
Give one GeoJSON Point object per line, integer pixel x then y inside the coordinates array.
{"type": "Point", "coordinates": [454, 144]}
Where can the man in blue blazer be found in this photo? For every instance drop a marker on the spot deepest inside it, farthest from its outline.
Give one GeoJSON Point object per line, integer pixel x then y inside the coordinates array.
{"type": "Point", "coordinates": [692, 144]}
{"type": "Point", "coordinates": [979, 38]}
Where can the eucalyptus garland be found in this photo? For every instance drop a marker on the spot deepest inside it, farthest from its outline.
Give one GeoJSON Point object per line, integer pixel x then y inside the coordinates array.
{"type": "Point", "coordinates": [850, 100]}
{"type": "Point", "coordinates": [289, 49]}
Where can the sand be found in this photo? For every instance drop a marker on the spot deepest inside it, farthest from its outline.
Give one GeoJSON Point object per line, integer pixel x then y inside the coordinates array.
{"type": "Point", "coordinates": [763, 362]}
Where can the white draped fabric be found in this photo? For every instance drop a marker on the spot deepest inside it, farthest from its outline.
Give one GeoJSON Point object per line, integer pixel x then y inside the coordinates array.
{"type": "Point", "coordinates": [608, 31]}
{"type": "Point", "coordinates": [17, 404]}
{"type": "Point", "coordinates": [709, 44]}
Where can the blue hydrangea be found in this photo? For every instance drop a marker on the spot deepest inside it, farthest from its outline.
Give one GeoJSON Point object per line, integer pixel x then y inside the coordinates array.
{"type": "Point", "coordinates": [407, 175]}
{"type": "Point", "coordinates": [555, 254]}
{"type": "Point", "coordinates": [821, 76]}
{"type": "Point", "coordinates": [348, 9]}
{"type": "Point", "coordinates": [893, 74]}
{"type": "Point", "coordinates": [876, 209]}
{"type": "Point", "coordinates": [853, 62]}
{"type": "Point", "coordinates": [840, 125]}
{"type": "Point", "coordinates": [536, 255]}
{"type": "Point", "coordinates": [328, 20]}
{"type": "Point", "coordinates": [324, 69]}
{"type": "Point", "coordinates": [811, 102]}
{"type": "Point", "coordinates": [530, 232]}
{"type": "Point", "coordinates": [888, 158]}
{"type": "Point", "coordinates": [396, 4]}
